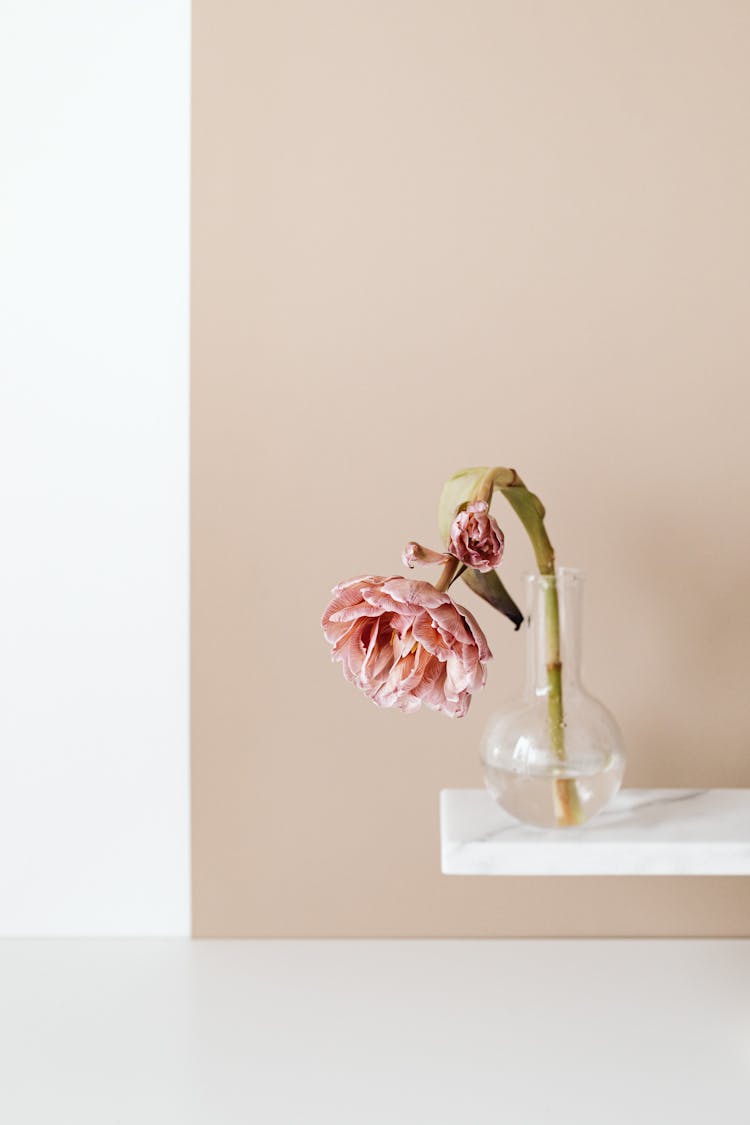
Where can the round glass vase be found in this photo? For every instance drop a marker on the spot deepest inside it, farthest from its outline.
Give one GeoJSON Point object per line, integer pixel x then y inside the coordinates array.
{"type": "Point", "coordinates": [555, 757]}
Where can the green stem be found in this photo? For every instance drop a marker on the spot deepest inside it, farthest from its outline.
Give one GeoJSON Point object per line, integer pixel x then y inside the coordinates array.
{"type": "Point", "coordinates": [567, 800]}
{"type": "Point", "coordinates": [530, 511]}
{"type": "Point", "coordinates": [450, 572]}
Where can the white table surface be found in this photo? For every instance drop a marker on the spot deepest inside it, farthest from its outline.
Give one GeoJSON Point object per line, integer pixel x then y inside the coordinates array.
{"type": "Point", "coordinates": [642, 832]}
{"type": "Point", "coordinates": [359, 1033]}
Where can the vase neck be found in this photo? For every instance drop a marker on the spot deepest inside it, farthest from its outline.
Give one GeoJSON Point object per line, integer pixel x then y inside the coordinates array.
{"type": "Point", "coordinates": [540, 627]}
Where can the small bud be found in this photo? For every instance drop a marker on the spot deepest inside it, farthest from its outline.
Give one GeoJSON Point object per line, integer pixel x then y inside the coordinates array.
{"type": "Point", "coordinates": [475, 537]}
{"type": "Point", "coordinates": [417, 555]}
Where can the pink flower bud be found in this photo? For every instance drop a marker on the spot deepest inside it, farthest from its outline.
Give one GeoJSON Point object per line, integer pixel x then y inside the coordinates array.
{"type": "Point", "coordinates": [475, 538]}
{"type": "Point", "coordinates": [417, 555]}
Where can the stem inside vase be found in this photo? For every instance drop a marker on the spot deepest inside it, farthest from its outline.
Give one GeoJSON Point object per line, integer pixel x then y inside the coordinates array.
{"type": "Point", "coordinates": [567, 801]}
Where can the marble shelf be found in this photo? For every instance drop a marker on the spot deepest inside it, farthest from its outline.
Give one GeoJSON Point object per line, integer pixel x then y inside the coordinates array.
{"type": "Point", "coordinates": [643, 832]}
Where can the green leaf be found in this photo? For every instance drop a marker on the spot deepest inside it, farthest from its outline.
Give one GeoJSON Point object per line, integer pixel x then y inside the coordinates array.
{"type": "Point", "coordinates": [456, 492]}
{"type": "Point", "coordinates": [487, 585]}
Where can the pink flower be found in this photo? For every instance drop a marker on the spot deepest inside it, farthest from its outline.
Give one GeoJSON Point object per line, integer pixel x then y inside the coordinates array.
{"type": "Point", "coordinates": [475, 538]}
{"type": "Point", "coordinates": [404, 643]}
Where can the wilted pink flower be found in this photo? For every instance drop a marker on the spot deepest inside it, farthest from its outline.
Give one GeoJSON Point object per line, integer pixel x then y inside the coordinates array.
{"type": "Point", "coordinates": [417, 555]}
{"type": "Point", "coordinates": [404, 643]}
{"type": "Point", "coordinates": [475, 538]}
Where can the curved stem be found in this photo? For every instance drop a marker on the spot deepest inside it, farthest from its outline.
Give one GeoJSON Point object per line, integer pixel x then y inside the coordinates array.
{"type": "Point", "coordinates": [530, 511]}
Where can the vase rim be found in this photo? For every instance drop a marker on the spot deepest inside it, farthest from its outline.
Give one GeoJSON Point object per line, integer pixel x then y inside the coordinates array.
{"type": "Point", "coordinates": [562, 573]}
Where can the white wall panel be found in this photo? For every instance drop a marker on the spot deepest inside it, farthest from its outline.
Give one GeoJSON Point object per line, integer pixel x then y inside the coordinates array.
{"type": "Point", "coordinates": [94, 227]}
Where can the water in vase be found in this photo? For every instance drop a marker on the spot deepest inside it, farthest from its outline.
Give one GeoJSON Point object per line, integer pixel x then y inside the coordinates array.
{"type": "Point", "coordinates": [534, 799]}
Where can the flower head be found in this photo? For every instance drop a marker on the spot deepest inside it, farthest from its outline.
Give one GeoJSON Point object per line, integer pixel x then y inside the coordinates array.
{"type": "Point", "coordinates": [475, 538]}
{"type": "Point", "coordinates": [404, 644]}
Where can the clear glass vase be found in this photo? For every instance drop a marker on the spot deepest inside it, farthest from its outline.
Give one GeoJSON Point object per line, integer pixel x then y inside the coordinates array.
{"type": "Point", "coordinates": [555, 757]}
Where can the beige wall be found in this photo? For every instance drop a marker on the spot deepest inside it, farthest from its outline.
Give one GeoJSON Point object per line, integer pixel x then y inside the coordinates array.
{"type": "Point", "coordinates": [430, 234]}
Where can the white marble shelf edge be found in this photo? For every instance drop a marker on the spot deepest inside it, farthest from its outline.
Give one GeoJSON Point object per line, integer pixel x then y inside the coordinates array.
{"type": "Point", "coordinates": [643, 832]}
